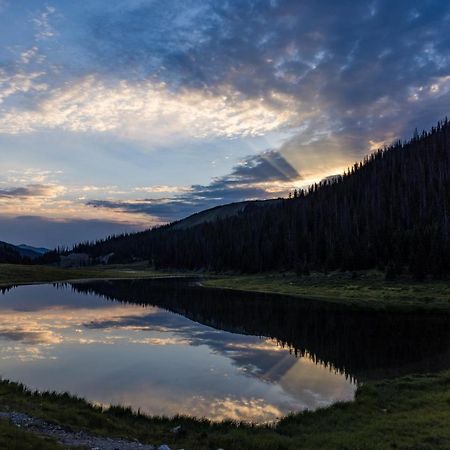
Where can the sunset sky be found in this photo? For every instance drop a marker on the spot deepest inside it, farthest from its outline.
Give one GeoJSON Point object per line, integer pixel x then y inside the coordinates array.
{"type": "Point", "coordinates": [120, 115]}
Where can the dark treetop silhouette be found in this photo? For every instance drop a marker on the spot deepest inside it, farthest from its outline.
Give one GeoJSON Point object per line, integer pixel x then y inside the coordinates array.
{"type": "Point", "coordinates": [390, 211]}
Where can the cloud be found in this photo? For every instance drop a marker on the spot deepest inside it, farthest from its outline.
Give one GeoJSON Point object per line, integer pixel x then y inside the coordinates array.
{"type": "Point", "coordinates": [227, 69]}
{"type": "Point", "coordinates": [259, 176]}
{"type": "Point", "coordinates": [41, 231]}
{"type": "Point", "coordinates": [43, 27]}
{"type": "Point", "coordinates": [31, 190]}
{"type": "Point", "coordinates": [32, 55]}
{"type": "Point", "coordinates": [264, 167]}
{"type": "Point", "coordinates": [29, 176]}
{"type": "Point", "coordinates": [166, 210]}
{"type": "Point", "coordinates": [303, 58]}
{"type": "Point", "coordinates": [34, 199]}
{"type": "Point", "coordinates": [334, 80]}
{"type": "Point", "coordinates": [165, 189]}
{"type": "Point", "coordinates": [147, 109]}
{"type": "Point", "coordinates": [245, 68]}
{"type": "Point", "coordinates": [29, 336]}
{"type": "Point", "coordinates": [20, 82]}
{"type": "Point", "coordinates": [352, 62]}
{"type": "Point", "coordinates": [259, 357]}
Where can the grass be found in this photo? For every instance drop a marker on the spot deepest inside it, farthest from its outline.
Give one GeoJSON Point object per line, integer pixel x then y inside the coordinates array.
{"type": "Point", "coordinates": [366, 289]}
{"type": "Point", "coordinates": [13, 438]}
{"type": "Point", "coordinates": [11, 274]}
{"type": "Point", "coordinates": [407, 412]}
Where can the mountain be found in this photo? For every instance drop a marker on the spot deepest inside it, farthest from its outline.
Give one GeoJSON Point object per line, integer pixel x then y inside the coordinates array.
{"type": "Point", "coordinates": [220, 212]}
{"type": "Point", "coordinates": [10, 253]}
{"type": "Point", "coordinates": [38, 250]}
{"type": "Point", "coordinates": [389, 211]}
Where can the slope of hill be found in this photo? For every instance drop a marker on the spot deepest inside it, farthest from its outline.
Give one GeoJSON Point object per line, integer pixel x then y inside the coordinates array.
{"type": "Point", "coordinates": [389, 211]}
{"type": "Point", "coordinates": [35, 250]}
{"type": "Point", "coordinates": [220, 212]}
{"type": "Point", "coordinates": [10, 253]}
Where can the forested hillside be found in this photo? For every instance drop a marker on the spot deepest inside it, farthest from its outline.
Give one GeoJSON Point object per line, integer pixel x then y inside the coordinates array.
{"type": "Point", "coordinates": [11, 254]}
{"type": "Point", "coordinates": [390, 211]}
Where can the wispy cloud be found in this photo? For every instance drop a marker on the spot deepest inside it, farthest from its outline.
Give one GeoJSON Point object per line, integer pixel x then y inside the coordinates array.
{"type": "Point", "coordinates": [257, 177]}
{"type": "Point", "coordinates": [32, 55]}
{"type": "Point", "coordinates": [20, 82]}
{"type": "Point", "coordinates": [29, 176]}
{"type": "Point", "coordinates": [29, 336]}
{"type": "Point", "coordinates": [340, 58]}
{"type": "Point", "coordinates": [162, 189]}
{"type": "Point", "coordinates": [42, 24]}
{"type": "Point", "coordinates": [32, 190]}
{"type": "Point", "coordinates": [145, 109]}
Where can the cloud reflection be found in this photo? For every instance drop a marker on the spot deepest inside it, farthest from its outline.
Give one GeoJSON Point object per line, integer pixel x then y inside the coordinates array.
{"type": "Point", "coordinates": [155, 360]}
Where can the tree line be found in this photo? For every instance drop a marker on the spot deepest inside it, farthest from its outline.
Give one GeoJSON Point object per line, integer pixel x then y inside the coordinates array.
{"type": "Point", "coordinates": [390, 211]}
{"type": "Point", "coordinates": [9, 254]}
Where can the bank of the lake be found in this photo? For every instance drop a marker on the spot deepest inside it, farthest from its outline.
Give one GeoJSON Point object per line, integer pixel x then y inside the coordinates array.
{"type": "Point", "coordinates": [17, 274]}
{"type": "Point", "coordinates": [408, 412]}
{"type": "Point", "coordinates": [365, 289]}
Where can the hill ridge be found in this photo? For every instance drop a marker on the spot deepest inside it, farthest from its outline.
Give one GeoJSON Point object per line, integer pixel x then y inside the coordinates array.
{"type": "Point", "coordinates": [389, 211]}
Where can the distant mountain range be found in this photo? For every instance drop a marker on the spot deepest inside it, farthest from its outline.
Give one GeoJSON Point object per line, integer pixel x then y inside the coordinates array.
{"type": "Point", "coordinates": [23, 248]}
{"type": "Point", "coordinates": [10, 253]}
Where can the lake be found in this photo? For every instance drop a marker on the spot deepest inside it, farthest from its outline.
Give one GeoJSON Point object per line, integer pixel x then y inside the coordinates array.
{"type": "Point", "coordinates": [170, 347]}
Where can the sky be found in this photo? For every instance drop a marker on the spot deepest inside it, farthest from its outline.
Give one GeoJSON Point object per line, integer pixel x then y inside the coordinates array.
{"type": "Point", "coordinates": [121, 115]}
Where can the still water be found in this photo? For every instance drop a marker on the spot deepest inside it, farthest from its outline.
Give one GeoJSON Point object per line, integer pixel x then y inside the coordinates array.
{"type": "Point", "coordinates": [170, 348]}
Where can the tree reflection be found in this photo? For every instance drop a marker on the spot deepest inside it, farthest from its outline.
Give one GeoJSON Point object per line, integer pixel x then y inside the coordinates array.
{"type": "Point", "coordinates": [356, 343]}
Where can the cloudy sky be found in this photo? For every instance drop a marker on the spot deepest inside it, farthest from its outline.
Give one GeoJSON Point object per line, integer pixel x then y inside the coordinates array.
{"type": "Point", "coordinates": [119, 115]}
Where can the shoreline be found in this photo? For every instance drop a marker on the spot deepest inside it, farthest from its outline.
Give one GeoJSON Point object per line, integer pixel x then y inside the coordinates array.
{"type": "Point", "coordinates": [407, 412]}
{"type": "Point", "coordinates": [366, 290]}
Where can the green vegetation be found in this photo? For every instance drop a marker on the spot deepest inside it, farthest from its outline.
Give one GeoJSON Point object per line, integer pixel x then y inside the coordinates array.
{"type": "Point", "coordinates": [24, 274]}
{"type": "Point", "coordinates": [367, 289]}
{"type": "Point", "coordinates": [408, 412]}
{"type": "Point", "coordinates": [13, 438]}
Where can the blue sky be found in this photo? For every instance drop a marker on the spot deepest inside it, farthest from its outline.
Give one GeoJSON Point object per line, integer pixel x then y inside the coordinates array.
{"type": "Point", "coordinates": [119, 115]}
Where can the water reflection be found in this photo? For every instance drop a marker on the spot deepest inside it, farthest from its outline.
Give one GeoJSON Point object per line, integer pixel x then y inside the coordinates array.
{"type": "Point", "coordinates": [359, 344]}
{"type": "Point", "coordinates": [153, 356]}
{"type": "Point", "coordinates": [170, 348]}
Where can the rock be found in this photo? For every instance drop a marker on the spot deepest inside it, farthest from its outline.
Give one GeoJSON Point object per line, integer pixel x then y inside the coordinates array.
{"type": "Point", "coordinates": [178, 431]}
{"type": "Point", "coordinates": [69, 438]}
{"type": "Point", "coordinates": [163, 447]}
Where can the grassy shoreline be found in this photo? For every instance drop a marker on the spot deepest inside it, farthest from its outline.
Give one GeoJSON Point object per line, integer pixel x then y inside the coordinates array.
{"type": "Point", "coordinates": [407, 412]}
{"type": "Point", "coordinates": [367, 290]}
{"type": "Point", "coordinates": [16, 274]}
